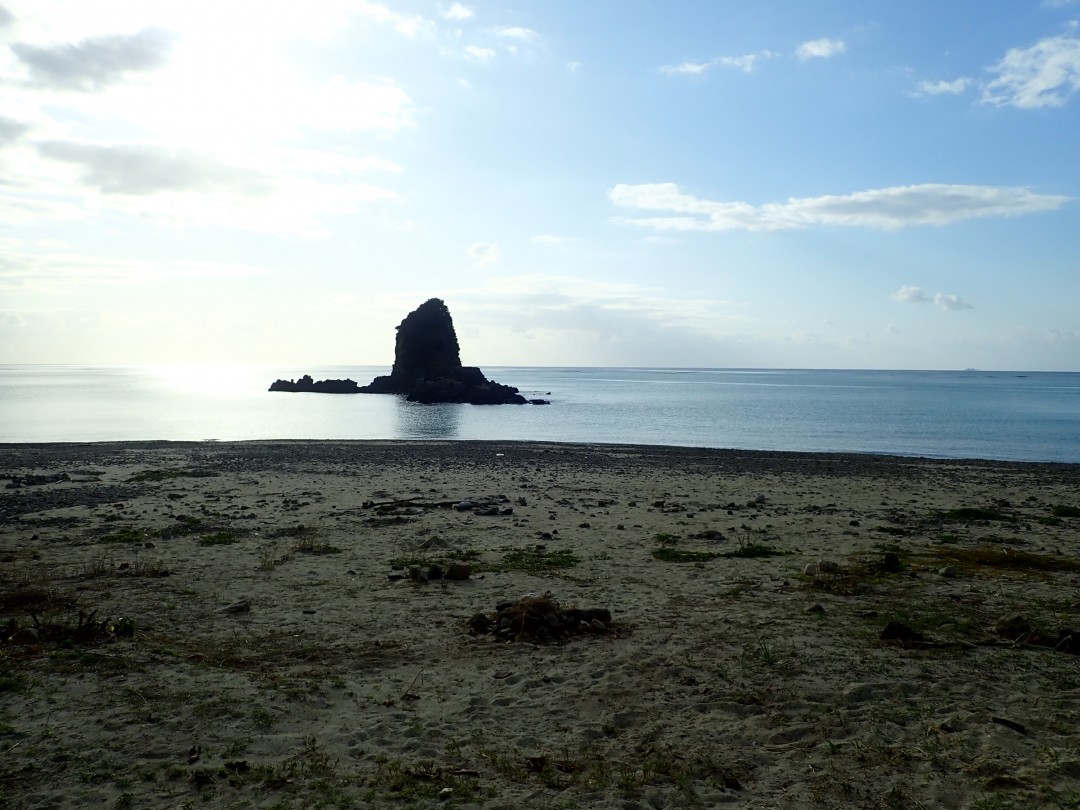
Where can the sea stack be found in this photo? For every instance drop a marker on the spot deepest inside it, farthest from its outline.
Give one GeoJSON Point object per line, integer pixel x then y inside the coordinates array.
{"type": "Point", "coordinates": [427, 365]}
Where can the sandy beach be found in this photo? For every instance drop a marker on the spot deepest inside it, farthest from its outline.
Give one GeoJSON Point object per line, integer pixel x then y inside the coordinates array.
{"type": "Point", "coordinates": [331, 624]}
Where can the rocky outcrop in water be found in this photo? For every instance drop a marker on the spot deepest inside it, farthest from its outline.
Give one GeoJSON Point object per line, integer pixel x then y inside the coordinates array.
{"type": "Point", "coordinates": [427, 367]}
{"type": "Point", "coordinates": [305, 383]}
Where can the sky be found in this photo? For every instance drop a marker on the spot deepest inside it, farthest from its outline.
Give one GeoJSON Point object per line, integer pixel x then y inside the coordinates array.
{"type": "Point", "coordinates": [695, 183]}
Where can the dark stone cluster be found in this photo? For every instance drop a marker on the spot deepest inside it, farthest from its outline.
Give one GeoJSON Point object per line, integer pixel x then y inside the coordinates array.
{"type": "Point", "coordinates": [539, 620]}
{"type": "Point", "coordinates": [305, 383]}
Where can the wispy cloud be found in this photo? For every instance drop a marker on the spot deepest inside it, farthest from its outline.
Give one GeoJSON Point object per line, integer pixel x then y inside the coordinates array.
{"type": "Point", "coordinates": [518, 33]}
{"type": "Point", "coordinates": [746, 63]}
{"type": "Point", "coordinates": [1043, 75]}
{"type": "Point", "coordinates": [915, 295]}
{"type": "Point", "coordinates": [479, 54]}
{"type": "Point", "coordinates": [885, 208]}
{"type": "Point", "coordinates": [409, 25]}
{"type": "Point", "coordinates": [483, 253]}
{"type": "Point", "coordinates": [459, 12]}
{"type": "Point", "coordinates": [820, 49]}
{"type": "Point", "coordinates": [94, 64]}
{"type": "Point", "coordinates": [955, 87]}
{"type": "Point", "coordinates": [143, 169]}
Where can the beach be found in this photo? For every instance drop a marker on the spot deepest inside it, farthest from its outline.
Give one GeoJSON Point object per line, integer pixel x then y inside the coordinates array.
{"type": "Point", "coordinates": [302, 624]}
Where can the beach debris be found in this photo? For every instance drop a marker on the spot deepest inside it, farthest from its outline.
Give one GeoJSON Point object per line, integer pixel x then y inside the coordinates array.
{"type": "Point", "coordinates": [541, 620]}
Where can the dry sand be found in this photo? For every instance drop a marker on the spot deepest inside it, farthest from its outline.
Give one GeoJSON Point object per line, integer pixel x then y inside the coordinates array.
{"type": "Point", "coordinates": [336, 681]}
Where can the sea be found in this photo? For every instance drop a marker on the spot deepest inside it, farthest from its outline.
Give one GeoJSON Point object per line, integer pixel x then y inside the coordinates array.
{"type": "Point", "coordinates": [1019, 416]}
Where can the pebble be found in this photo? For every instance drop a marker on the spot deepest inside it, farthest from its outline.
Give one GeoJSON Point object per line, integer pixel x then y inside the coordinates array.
{"type": "Point", "coordinates": [243, 606]}
{"type": "Point", "coordinates": [948, 571]}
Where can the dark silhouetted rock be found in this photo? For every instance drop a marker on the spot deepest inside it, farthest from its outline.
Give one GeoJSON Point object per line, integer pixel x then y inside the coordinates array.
{"type": "Point", "coordinates": [427, 368]}
{"type": "Point", "coordinates": [427, 365]}
{"type": "Point", "coordinates": [307, 384]}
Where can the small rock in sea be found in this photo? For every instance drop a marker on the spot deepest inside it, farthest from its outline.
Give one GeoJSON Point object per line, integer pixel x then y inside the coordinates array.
{"type": "Point", "coordinates": [27, 635]}
{"type": "Point", "coordinates": [948, 572]}
{"type": "Point", "coordinates": [243, 606]}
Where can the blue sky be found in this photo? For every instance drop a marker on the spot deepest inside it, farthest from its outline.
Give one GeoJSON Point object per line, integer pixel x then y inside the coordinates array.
{"type": "Point", "coordinates": [747, 183]}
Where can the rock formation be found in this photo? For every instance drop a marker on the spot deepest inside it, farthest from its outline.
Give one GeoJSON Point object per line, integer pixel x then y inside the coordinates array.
{"type": "Point", "coordinates": [305, 383]}
{"type": "Point", "coordinates": [427, 367]}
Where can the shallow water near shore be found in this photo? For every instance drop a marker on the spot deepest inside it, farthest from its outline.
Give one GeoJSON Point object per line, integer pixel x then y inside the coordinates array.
{"type": "Point", "coordinates": [1021, 416]}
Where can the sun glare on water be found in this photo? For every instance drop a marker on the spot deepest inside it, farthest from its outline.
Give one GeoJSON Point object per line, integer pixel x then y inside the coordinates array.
{"type": "Point", "coordinates": [213, 379]}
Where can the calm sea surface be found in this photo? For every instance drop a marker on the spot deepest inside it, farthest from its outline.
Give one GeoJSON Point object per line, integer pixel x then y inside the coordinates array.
{"type": "Point", "coordinates": [971, 414]}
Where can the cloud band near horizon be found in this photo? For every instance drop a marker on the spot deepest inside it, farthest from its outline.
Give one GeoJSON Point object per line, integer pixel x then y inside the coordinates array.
{"type": "Point", "coordinates": [889, 208]}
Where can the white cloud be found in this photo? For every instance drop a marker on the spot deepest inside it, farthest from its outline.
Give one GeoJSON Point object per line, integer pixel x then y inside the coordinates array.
{"type": "Point", "coordinates": [885, 208]}
{"type": "Point", "coordinates": [459, 12]}
{"type": "Point", "coordinates": [955, 87]}
{"type": "Point", "coordinates": [820, 48]}
{"type": "Point", "coordinates": [951, 302]}
{"type": "Point", "coordinates": [517, 32]}
{"type": "Point", "coordinates": [746, 63]}
{"type": "Point", "coordinates": [911, 295]}
{"type": "Point", "coordinates": [407, 24]}
{"type": "Point", "coordinates": [483, 253]}
{"type": "Point", "coordinates": [93, 64]}
{"type": "Point", "coordinates": [915, 295]}
{"type": "Point", "coordinates": [1044, 75]}
{"type": "Point", "coordinates": [478, 53]}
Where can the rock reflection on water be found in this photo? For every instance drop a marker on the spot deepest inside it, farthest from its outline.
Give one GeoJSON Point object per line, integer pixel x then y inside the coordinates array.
{"type": "Point", "coordinates": [415, 421]}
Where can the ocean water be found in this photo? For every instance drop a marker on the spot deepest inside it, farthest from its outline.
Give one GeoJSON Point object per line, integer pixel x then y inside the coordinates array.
{"type": "Point", "coordinates": [970, 414]}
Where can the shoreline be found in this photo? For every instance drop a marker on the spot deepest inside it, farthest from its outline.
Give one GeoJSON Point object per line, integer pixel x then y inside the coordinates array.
{"type": "Point", "coordinates": [277, 656]}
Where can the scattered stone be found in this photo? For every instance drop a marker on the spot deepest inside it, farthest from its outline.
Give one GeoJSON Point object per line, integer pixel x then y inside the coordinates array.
{"type": "Point", "coordinates": [819, 609]}
{"type": "Point", "coordinates": [435, 571]}
{"type": "Point", "coordinates": [854, 523]}
{"type": "Point", "coordinates": [948, 572]}
{"type": "Point", "coordinates": [243, 606]}
{"type": "Point", "coordinates": [810, 570]}
{"type": "Point", "coordinates": [897, 631]}
{"type": "Point", "coordinates": [890, 563]}
{"type": "Point", "coordinates": [541, 620]}
{"type": "Point", "coordinates": [457, 571]}
{"type": "Point", "coordinates": [1013, 627]}
{"type": "Point", "coordinates": [417, 574]}
{"type": "Point", "coordinates": [828, 567]}
{"type": "Point", "coordinates": [25, 636]}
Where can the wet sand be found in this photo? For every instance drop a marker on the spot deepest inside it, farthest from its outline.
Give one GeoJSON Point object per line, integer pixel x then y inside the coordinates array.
{"type": "Point", "coordinates": [248, 624]}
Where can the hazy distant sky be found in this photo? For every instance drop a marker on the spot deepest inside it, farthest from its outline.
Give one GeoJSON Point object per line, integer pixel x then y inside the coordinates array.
{"type": "Point", "coordinates": [725, 183]}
